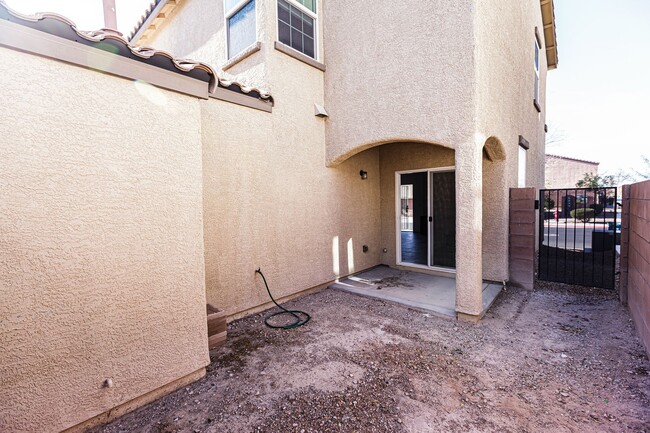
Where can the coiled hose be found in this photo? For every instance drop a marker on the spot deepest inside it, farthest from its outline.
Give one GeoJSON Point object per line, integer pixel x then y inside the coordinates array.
{"type": "Point", "coordinates": [300, 316]}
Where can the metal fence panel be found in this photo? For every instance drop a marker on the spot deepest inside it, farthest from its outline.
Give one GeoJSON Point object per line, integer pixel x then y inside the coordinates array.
{"type": "Point", "coordinates": [579, 229]}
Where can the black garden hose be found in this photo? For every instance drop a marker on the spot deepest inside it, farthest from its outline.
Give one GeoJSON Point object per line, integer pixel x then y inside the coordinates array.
{"type": "Point", "coordinates": [300, 316]}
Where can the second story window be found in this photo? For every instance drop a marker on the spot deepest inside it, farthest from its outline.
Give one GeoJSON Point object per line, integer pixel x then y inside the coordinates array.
{"type": "Point", "coordinates": [536, 94]}
{"type": "Point", "coordinates": [297, 25]}
{"type": "Point", "coordinates": [240, 23]}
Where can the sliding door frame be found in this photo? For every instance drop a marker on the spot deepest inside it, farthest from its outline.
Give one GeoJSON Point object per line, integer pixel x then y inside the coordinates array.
{"type": "Point", "coordinates": [398, 210]}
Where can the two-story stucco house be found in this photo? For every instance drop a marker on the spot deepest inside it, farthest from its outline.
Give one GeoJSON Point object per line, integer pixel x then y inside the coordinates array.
{"type": "Point", "coordinates": [315, 139]}
{"type": "Point", "coordinates": [444, 97]}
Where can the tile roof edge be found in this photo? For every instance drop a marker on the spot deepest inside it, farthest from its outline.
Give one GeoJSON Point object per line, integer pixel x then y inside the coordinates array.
{"type": "Point", "coordinates": [184, 66]}
{"type": "Point", "coordinates": [572, 159]}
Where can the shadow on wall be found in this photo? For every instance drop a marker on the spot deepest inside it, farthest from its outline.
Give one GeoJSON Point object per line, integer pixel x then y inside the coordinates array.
{"type": "Point", "coordinates": [495, 211]}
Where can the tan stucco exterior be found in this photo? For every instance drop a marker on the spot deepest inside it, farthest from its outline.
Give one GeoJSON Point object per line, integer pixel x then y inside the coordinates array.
{"type": "Point", "coordinates": [390, 76]}
{"type": "Point", "coordinates": [128, 207]}
{"type": "Point", "coordinates": [431, 73]}
{"type": "Point", "coordinates": [563, 172]}
{"type": "Point", "coordinates": [504, 53]}
{"type": "Point", "coordinates": [270, 202]}
{"type": "Point", "coordinates": [101, 244]}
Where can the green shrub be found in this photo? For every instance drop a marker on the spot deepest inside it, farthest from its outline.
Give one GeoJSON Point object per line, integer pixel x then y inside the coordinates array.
{"type": "Point", "coordinates": [583, 214]}
{"type": "Point", "coordinates": [549, 203]}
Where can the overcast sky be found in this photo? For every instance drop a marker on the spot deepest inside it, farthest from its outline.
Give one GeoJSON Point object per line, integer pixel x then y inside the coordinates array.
{"type": "Point", "coordinates": [599, 97]}
{"type": "Point", "coordinates": [598, 100]}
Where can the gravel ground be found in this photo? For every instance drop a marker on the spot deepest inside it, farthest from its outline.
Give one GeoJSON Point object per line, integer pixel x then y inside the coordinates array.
{"type": "Point", "coordinates": [560, 358]}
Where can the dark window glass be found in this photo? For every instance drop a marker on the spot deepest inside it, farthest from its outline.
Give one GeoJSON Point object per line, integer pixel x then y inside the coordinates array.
{"type": "Point", "coordinates": [295, 28]}
{"type": "Point", "coordinates": [284, 33]}
{"type": "Point", "coordinates": [308, 46]}
{"type": "Point", "coordinates": [296, 19]}
{"type": "Point", "coordinates": [296, 40]}
{"type": "Point", "coordinates": [308, 26]}
{"type": "Point", "coordinates": [283, 12]}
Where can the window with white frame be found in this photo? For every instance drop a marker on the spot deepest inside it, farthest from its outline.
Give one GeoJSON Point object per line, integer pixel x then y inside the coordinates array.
{"type": "Point", "coordinates": [240, 24]}
{"type": "Point", "coordinates": [536, 95]}
{"type": "Point", "coordinates": [297, 25]}
{"type": "Point", "coordinates": [521, 178]}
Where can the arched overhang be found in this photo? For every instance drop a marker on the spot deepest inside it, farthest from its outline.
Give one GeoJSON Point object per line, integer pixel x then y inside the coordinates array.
{"type": "Point", "coordinates": [338, 159]}
{"type": "Point", "coordinates": [494, 150]}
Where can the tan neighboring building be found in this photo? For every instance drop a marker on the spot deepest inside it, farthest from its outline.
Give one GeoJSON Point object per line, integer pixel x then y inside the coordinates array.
{"type": "Point", "coordinates": [137, 186]}
{"type": "Point", "coordinates": [564, 172]}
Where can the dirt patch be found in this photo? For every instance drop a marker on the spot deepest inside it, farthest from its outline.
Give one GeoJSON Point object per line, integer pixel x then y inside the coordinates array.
{"type": "Point", "coordinates": [559, 358]}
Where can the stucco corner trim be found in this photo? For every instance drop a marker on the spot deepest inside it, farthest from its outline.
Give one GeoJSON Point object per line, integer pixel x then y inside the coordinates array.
{"type": "Point", "coordinates": [250, 50]}
{"type": "Point", "coordinates": [299, 56]}
{"type": "Point", "coordinates": [241, 99]}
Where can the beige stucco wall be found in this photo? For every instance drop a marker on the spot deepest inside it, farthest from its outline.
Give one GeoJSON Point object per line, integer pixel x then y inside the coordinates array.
{"type": "Point", "coordinates": [504, 53]}
{"type": "Point", "coordinates": [434, 72]}
{"type": "Point", "coordinates": [566, 172]}
{"type": "Point", "coordinates": [101, 242]}
{"type": "Point", "coordinates": [271, 202]}
{"type": "Point", "coordinates": [398, 71]}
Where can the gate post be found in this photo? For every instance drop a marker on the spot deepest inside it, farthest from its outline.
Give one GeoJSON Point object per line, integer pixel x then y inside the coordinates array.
{"type": "Point", "coordinates": [521, 240]}
{"type": "Point", "coordinates": [625, 244]}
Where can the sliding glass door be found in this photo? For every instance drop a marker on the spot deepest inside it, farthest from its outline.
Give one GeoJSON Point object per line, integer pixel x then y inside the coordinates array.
{"type": "Point", "coordinates": [426, 209]}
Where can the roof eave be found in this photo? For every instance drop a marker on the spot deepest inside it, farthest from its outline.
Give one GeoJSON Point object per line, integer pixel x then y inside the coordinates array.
{"type": "Point", "coordinates": [151, 20]}
{"type": "Point", "coordinates": [550, 37]}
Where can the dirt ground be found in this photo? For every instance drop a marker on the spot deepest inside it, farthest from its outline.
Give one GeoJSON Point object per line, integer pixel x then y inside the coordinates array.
{"type": "Point", "coordinates": [560, 359]}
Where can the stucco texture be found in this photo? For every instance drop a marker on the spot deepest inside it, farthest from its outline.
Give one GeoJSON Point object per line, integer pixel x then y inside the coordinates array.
{"type": "Point", "coordinates": [504, 55]}
{"type": "Point", "coordinates": [271, 202]}
{"type": "Point", "coordinates": [101, 242]}
{"type": "Point", "coordinates": [398, 71]}
{"type": "Point", "coordinates": [452, 73]}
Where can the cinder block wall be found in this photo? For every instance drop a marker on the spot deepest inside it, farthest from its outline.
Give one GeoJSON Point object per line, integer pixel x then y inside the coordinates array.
{"type": "Point", "coordinates": [638, 269]}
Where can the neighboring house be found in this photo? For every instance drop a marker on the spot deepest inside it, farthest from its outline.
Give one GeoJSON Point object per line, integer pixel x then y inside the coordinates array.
{"type": "Point", "coordinates": [564, 172]}
{"type": "Point", "coordinates": [133, 195]}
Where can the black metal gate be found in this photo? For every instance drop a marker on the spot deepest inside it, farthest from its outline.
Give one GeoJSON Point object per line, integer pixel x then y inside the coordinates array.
{"type": "Point", "coordinates": [579, 229]}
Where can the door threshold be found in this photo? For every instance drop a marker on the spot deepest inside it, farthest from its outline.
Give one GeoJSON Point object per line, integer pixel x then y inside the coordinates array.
{"type": "Point", "coordinates": [440, 272]}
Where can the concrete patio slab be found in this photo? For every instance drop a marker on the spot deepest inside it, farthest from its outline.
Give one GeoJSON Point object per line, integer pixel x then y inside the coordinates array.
{"type": "Point", "coordinates": [430, 293]}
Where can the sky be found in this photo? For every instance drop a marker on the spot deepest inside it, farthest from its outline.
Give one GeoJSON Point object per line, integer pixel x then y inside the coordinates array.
{"type": "Point", "coordinates": [598, 99]}
{"type": "Point", "coordinates": [86, 14]}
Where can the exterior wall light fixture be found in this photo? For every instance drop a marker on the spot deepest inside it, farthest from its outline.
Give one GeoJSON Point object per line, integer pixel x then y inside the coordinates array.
{"type": "Point", "coordinates": [363, 174]}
